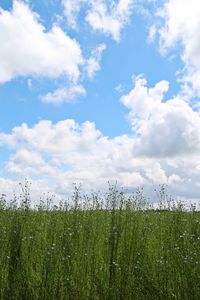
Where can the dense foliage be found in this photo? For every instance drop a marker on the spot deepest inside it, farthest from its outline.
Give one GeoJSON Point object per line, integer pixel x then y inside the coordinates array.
{"type": "Point", "coordinates": [99, 248]}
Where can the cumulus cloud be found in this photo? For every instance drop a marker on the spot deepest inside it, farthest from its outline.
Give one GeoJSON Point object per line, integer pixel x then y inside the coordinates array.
{"type": "Point", "coordinates": [28, 49]}
{"type": "Point", "coordinates": [180, 25]}
{"type": "Point", "coordinates": [67, 152]}
{"type": "Point", "coordinates": [165, 128]}
{"type": "Point", "coordinates": [93, 63]}
{"type": "Point", "coordinates": [143, 101]}
{"type": "Point", "coordinates": [61, 95]}
{"type": "Point", "coordinates": [165, 144]}
{"type": "Point", "coordinates": [109, 19]}
{"type": "Point", "coordinates": [56, 155]}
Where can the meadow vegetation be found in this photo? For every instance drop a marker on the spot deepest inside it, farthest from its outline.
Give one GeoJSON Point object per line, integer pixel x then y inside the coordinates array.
{"type": "Point", "coordinates": [111, 246]}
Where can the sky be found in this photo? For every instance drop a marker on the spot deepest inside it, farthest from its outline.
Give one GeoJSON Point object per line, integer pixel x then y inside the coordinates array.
{"type": "Point", "coordinates": [100, 91]}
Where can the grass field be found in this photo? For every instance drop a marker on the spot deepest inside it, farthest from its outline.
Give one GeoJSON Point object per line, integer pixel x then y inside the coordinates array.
{"type": "Point", "coordinates": [99, 249]}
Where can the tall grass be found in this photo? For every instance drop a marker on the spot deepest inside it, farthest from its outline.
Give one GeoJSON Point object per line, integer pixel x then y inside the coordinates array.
{"type": "Point", "coordinates": [100, 247]}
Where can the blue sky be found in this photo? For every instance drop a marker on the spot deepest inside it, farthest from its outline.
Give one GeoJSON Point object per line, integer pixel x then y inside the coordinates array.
{"type": "Point", "coordinates": [98, 91]}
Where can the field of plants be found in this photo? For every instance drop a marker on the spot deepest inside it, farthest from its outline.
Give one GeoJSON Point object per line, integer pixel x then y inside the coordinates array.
{"type": "Point", "coordinates": [99, 247]}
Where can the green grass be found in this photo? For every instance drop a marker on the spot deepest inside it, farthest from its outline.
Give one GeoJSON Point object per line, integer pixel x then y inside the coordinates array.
{"type": "Point", "coordinates": [94, 249]}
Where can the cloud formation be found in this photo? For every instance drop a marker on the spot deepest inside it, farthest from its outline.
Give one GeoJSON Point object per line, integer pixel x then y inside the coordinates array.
{"type": "Point", "coordinates": [27, 49]}
{"type": "Point", "coordinates": [164, 148]}
{"type": "Point", "coordinates": [106, 18]}
{"type": "Point", "coordinates": [66, 152]}
{"type": "Point", "coordinates": [165, 141]}
{"type": "Point", "coordinates": [93, 63]}
{"type": "Point", "coordinates": [68, 94]}
{"type": "Point", "coordinates": [180, 26]}
{"type": "Point", "coordinates": [165, 128]}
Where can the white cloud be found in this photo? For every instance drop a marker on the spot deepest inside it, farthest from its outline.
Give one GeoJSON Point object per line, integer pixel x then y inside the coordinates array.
{"type": "Point", "coordinates": [66, 152]}
{"type": "Point", "coordinates": [61, 95]}
{"type": "Point", "coordinates": [71, 10]}
{"type": "Point", "coordinates": [107, 18]}
{"type": "Point", "coordinates": [60, 154]}
{"type": "Point", "coordinates": [143, 101]}
{"type": "Point", "coordinates": [180, 26]}
{"type": "Point", "coordinates": [165, 144]}
{"type": "Point", "coordinates": [93, 63]}
{"type": "Point", "coordinates": [165, 129]}
{"type": "Point", "coordinates": [110, 21]}
{"type": "Point", "coordinates": [28, 49]}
